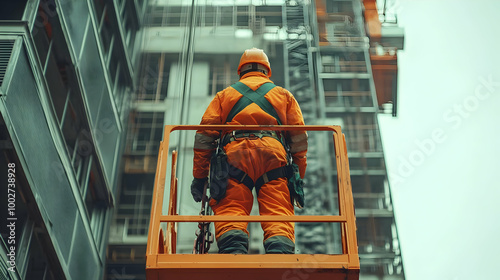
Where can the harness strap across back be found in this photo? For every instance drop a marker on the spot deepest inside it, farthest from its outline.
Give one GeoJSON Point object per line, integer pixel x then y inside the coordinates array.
{"type": "Point", "coordinates": [250, 96]}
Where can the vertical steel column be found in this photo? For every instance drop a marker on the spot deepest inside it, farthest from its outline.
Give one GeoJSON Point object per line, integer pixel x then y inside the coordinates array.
{"type": "Point", "coordinates": [299, 79]}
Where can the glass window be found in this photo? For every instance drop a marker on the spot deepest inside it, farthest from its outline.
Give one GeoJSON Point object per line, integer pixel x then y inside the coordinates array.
{"type": "Point", "coordinates": [130, 27]}
{"type": "Point", "coordinates": [168, 16]}
{"type": "Point", "coordinates": [154, 78]}
{"type": "Point", "coordinates": [226, 16]}
{"type": "Point", "coordinates": [106, 29]}
{"type": "Point", "coordinates": [363, 134]}
{"type": "Point", "coordinates": [221, 76]}
{"type": "Point", "coordinates": [95, 200]}
{"type": "Point", "coordinates": [12, 10]}
{"type": "Point", "coordinates": [38, 265]}
{"type": "Point", "coordinates": [99, 8]}
{"type": "Point", "coordinates": [135, 203]}
{"type": "Point", "coordinates": [148, 132]}
{"type": "Point", "coordinates": [339, 7]}
{"type": "Point", "coordinates": [114, 63]}
{"type": "Point", "coordinates": [57, 88]}
{"type": "Point", "coordinates": [41, 31]}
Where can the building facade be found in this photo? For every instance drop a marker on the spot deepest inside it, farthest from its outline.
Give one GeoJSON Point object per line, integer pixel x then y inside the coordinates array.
{"type": "Point", "coordinates": [339, 59]}
{"type": "Point", "coordinates": [66, 81]}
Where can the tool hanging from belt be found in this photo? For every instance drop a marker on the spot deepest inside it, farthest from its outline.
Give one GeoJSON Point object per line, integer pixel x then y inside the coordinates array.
{"type": "Point", "coordinates": [204, 237]}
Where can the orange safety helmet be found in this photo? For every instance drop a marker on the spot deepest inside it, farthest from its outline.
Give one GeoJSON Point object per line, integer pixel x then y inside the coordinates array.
{"type": "Point", "coordinates": [255, 55]}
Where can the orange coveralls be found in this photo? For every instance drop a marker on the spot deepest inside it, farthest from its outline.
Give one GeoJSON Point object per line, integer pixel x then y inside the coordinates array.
{"type": "Point", "coordinates": [254, 156]}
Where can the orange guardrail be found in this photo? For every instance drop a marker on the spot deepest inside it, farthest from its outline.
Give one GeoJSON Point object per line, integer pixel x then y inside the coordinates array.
{"type": "Point", "coordinates": [162, 261]}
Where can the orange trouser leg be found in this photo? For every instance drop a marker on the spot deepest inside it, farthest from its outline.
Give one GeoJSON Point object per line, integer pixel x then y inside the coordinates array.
{"type": "Point", "coordinates": [274, 199]}
{"type": "Point", "coordinates": [237, 202]}
{"type": "Point", "coordinates": [255, 157]}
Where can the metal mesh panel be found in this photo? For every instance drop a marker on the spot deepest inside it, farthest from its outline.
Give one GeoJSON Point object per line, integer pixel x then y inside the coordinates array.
{"type": "Point", "coordinates": [5, 53]}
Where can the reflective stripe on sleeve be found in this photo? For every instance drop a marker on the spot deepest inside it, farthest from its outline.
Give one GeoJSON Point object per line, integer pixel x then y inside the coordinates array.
{"type": "Point", "coordinates": [298, 143]}
{"type": "Point", "coordinates": [299, 137]}
{"type": "Point", "coordinates": [204, 142]}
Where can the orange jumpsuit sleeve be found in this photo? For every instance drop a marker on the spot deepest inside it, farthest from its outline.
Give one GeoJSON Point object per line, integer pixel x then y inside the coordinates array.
{"type": "Point", "coordinates": [297, 140]}
{"type": "Point", "coordinates": [204, 141]}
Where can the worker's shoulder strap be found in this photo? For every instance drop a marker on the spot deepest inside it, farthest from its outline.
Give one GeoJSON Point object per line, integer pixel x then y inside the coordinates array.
{"type": "Point", "coordinates": [250, 96]}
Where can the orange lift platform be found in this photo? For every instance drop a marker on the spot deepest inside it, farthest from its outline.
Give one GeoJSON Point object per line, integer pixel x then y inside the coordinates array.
{"type": "Point", "coordinates": [162, 261]}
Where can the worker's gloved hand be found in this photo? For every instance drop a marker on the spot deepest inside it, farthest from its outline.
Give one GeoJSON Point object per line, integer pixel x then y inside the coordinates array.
{"type": "Point", "coordinates": [197, 187]}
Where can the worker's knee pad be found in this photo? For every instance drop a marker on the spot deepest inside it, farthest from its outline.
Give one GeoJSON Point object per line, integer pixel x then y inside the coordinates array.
{"type": "Point", "coordinates": [233, 242]}
{"type": "Point", "coordinates": [279, 245]}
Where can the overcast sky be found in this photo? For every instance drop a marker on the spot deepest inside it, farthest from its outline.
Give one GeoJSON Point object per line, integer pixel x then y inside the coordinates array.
{"type": "Point", "coordinates": [443, 149]}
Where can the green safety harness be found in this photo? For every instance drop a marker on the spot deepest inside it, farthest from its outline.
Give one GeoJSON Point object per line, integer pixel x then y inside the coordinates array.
{"type": "Point", "coordinates": [220, 170]}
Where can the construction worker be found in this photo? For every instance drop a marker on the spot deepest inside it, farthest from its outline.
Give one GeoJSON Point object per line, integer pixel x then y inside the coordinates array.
{"type": "Point", "coordinates": [252, 153]}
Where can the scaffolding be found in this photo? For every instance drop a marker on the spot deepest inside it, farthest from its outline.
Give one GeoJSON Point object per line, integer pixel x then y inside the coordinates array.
{"type": "Point", "coordinates": [299, 79]}
{"type": "Point", "coordinates": [348, 95]}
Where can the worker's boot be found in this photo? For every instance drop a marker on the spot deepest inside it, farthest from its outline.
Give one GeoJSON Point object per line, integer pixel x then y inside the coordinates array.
{"type": "Point", "coordinates": [233, 242]}
{"type": "Point", "coordinates": [279, 245]}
